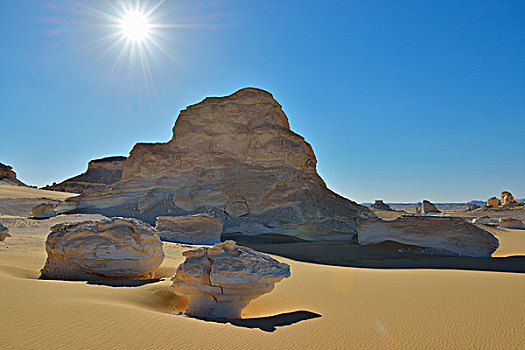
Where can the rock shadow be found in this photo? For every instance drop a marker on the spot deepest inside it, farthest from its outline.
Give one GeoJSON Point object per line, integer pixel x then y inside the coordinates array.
{"type": "Point", "coordinates": [124, 283]}
{"type": "Point", "coordinates": [269, 323]}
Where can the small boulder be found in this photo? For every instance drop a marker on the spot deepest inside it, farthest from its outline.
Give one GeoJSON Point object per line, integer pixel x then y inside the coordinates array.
{"type": "Point", "coordinates": [116, 248]}
{"type": "Point", "coordinates": [510, 223]}
{"type": "Point", "coordinates": [507, 199]}
{"type": "Point", "coordinates": [429, 208]}
{"type": "Point", "coordinates": [194, 229]}
{"type": "Point", "coordinates": [220, 281]}
{"type": "Point", "coordinates": [44, 211]}
{"type": "Point", "coordinates": [380, 205]}
{"type": "Point", "coordinates": [4, 233]}
{"type": "Point", "coordinates": [493, 202]}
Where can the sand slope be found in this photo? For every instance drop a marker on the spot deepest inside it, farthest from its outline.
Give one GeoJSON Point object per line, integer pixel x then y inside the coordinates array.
{"type": "Point", "coordinates": [360, 308]}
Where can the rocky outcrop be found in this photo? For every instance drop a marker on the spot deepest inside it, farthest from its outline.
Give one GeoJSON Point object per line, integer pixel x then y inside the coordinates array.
{"type": "Point", "coordinates": [493, 202]}
{"type": "Point", "coordinates": [442, 235]}
{"type": "Point", "coordinates": [485, 220]}
{"type": "Point", "coordinates": [429, 208]}
{"type": "Point", "coordinates": [508, 222]}
{"type": "Point", "coordinates": [100, 173]}
{"type": "Point", "coordinates": [507, 199]}
{"type": "Point", "coordinates": [43, 211]}
{"type": "Point", "coordinates": [380, 205]}
{"type": "Point", "coordinates": [235, 158]}
{"type": "Point", "coordinates": [8, 176]}
{"type": "Point", "coordinates": [221, 280]}
{"type": "Point", "coordinates": [4, 233]}
{"type": "Point", "coordinates": [114, 248]}
{"type": "Point", "coordinates": [193, 229]}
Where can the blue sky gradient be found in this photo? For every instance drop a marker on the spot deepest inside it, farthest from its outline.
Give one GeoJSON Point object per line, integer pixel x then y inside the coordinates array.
{"type": "Point", "coordinates": [401, 100]}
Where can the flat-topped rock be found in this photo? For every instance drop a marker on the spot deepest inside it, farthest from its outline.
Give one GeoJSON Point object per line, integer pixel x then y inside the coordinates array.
{"type": "Point", "coordinates": [235, 158]}
{"type": "Point", "coordinates": [380, 205]}
{"type": "Point", "coordinates": [115, 248]}
{"type": "Point", "coordinates": [429, 208]}
{"type": "Point", "coordinates": [4, 232]}
{"type": "Point", "coordinates": [220, 281]}
{"type": "Point", "coordinates": [442, 235]}
{"type": "Point", "coordinates": [193, 229]}
{"type": "Point", "coordinates": [99, 174]}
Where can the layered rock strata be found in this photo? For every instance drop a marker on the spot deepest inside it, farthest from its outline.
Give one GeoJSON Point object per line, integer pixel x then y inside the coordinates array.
{"type": "Point", "coordinates": [442, 235]}
{"type": "Point", "coordinates": [44, 210]}
{"type": "Point", "coordinates": [114, 248]}
{"type": "Point", "coordinates": [99, 174]}
{"type": "Point", "coordinates": [507, 222]}
{"type": "Point", "coordinates": [193, 229]}
{"type": "Point", "coordinates": [220, 281]}
{"type": "Point", "coordinates": [8, 176]}
{"type": "Point", "coordinates": [235, 158]}
{"type": "Point", "coordinates": [4, 233]}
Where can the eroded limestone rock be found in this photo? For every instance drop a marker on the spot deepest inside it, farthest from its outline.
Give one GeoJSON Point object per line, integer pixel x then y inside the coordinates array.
{"type": "Point", "coordinates": [507, 199]}
{"type": "Point", "coordinates": [8, 176]}
{"type": "Point", "coordinates": [116, 248]}
{"type": "Point", "coordinates": [493, 202]}
{"type": "Point", "coordinates": [220, 281]}
{"type": "Point", "coordinates": [429, 208]}
{"type": "Point", "coordinates": [380, 205]}
{"type": "Point", "coordinates": [44, 210]}
{"type": "Point", "coordinates": [194, 229]}
{"type": "Point", "coordinates": [444, 235]}
{"type": "Point", "coordinates": [234, 157]}
{"type": "Point", "coordinates": [4, 232]}
{"type": "Point", "coordinates": [508, 222]}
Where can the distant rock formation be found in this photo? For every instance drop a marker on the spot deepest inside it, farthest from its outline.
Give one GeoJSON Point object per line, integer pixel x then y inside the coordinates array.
{"type": "Point", "coordinates": [100, 173]}
{"type": "Point", "coordinates": [507, 199]}
{"type": "Point", "coordinates": [493, 202]}
{"type": "Point", "coordinates": [43, 211]}
{"type": "Point", "coordinates": [236, 158]}
{"type": "Point", "coordinates": [4, 233]}
{"type": "Point", "coordinates": [114, 248]}
{"type": "Point", "coordinates": [194, 229]}
{"type": "Point", "coordinates": [380, 205]}
{"type": "Point", "coordinates": [428, 208]}
{"type": "Point", "coordinates": [508, 222]}
{"type": "Point", "coordinates": [221, 280]}
{"type": "Point", "coordinates": [485, 220]}
{"type": "Point", "coordinates": [442, 235]}
{"type": "Point", "coordinates": [8, 176]}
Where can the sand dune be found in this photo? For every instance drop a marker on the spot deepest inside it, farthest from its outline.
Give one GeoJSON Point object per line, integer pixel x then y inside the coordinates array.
{"type": "Point", "coordinates": [359, 308]}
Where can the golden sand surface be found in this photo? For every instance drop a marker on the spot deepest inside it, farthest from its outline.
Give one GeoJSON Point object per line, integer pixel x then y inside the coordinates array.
{"type": "Point", "coordinates": [11, 191]}
{"type": "Point", "coordinates": [359, 308]}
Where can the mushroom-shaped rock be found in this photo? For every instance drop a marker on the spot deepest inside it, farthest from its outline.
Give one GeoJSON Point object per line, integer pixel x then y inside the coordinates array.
{"type": "Point", "coordinates": [4, 232]}
{"type": "Point", "coordinates": [195, 229]}
{"type": "Point", "coordinates": [507, 198]}
{"type": "Point", "coordinates": [380, 205]}
{"type": "Point", "coordinates": [116, 248]}
{"type": "Point", "coordinates": [443, 235]}
{"type": "Point", "coordinates": [428, 208]}
{"type": "Point", "coordinates": [510, 223]}
{"type": "Point", "coordinates": [44, 211]}
{"type": "Point", "coordinates": [220, 281]}
{"type": "Point", "coordinates": [493, 202]}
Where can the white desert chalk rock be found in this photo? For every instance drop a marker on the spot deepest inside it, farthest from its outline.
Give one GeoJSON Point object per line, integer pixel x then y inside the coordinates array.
{"type": "Point", "coordinates": [220, 281]}
{"type": "Point", "coordinates": [194, 229]}
{"type": "Point", "coordinates": [115, 248]}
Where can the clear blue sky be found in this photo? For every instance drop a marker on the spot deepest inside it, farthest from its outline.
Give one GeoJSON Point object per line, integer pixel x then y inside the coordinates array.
{"type": "Point", "coordinates": [401, 100]}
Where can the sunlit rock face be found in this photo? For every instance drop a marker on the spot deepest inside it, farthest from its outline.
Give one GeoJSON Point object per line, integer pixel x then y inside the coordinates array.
{"type": "Point", "coordinates": [507, 199]}
{"type": "Point", "coordinates": [508, 222]}
{"type": "Point", "coordinates": [44, 210]}
{"type": "Point", "coordinates": [8, 176]}
{"type": "Point", "coordinates": [235, 158]}
{"type": "Point", "coordinates": [442, 235]}
{"type": "Point", "coordinates": [4, 233]}
{"type": "Point", "coordinates": [380, 205]}
{"type": "Point", "coordinates": [114, 248]}
{"type": "Point", "coordinates": [194, 229]}
{"type": "Point", "coordinates": [429, 208]}
{"type": "Point", "coordinates": [100, 173]}
{"type": "Point", "coordinates": [221, 280]}
{"type": "Point", "coordinates": [493, 202]}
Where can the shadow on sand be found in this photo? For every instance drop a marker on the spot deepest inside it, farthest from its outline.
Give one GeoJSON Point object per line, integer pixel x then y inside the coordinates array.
{"type": "Point", "coordinates": [269, 323]}
{"type": "Point", "coordinates": [388, 255]}
{"type": "Point", "coordinates": [124, 283]}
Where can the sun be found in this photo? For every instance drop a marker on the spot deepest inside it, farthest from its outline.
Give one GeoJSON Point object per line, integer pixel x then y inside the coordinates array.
{"type": "Point", "coordinates": [135, 25]}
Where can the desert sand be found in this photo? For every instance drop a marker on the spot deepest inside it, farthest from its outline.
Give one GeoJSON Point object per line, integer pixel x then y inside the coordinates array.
{"type": "Point", "coordinates": [318, 307]}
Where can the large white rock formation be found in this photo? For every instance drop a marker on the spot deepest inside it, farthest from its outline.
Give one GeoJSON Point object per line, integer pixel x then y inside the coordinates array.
{"type": "Point", "coordinates": [236, 158]}
{"type": "Point", "coordinates": [114, 248]}
{"type": "Point", "coordinates": [442, 235]}
{"type": "Point", "coordinates": [221, 280]}
{"type": "Point", "coordinates": [194, 229]}
{"type": "Point", "coordinates": [4, 233]}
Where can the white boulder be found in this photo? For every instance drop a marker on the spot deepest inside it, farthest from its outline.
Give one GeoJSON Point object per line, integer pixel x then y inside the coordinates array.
{"type": "Point", "coordinates": [194, 229]}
